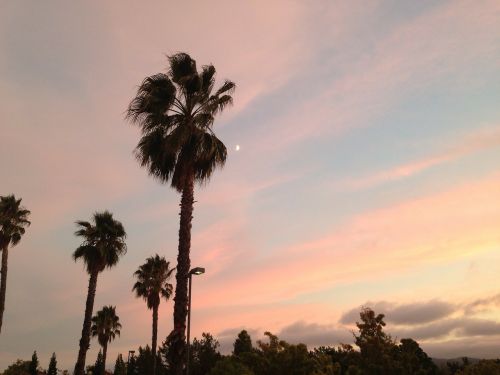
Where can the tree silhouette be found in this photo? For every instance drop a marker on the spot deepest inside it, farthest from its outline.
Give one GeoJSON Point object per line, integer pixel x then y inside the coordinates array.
{"type": "Point", "coordinates": [120, 367]}
{"type": "Point", "coordinates": [176, 112]}
{"type": "Point", "coordinates": [103, 244]}
{"type": "Point", "coordinates": [413, 359]}
{"type": "Point", "coordinates": [377, 348]}
{"type": "Point", "coordinates": [230, 366]}
{"type": "Point", "coordinates": [52, 365]}
{"type": "Point", "coordinates": [152, 284]}
{"type": "Point", "coordinates": [13, 220]}
{"type": "Point", "coordinates": [33, 368]}
{"type": "Point", "coordinates": [243, 343]}
{"type": "Point", "coordinates": [204, 354]}
{"type": "Point", "coordinates": [105, 326]}
{"type": "Point", "coordinates": [98, 367]}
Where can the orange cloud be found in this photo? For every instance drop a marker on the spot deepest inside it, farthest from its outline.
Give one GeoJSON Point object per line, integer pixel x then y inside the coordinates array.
{"type": "Point", "coordinates": [429, 230]}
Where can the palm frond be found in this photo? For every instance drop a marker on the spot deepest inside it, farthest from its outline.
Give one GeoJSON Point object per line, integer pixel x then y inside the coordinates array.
{"type": "Point", "coordinates": [182, 67]}
{"type": "Point", "coordinates": [15, 238]}
{"type": "Point", "coordinates": [173, 145]}
{"type": "Point", "coordinates": [208, 80]}
{"type": "Point", "coordinates": [227, 87]}
{"type": "Point", "coordinates": [103, 242]}
{"type": "Point", "coordinates": [155, 96]}
{"type": "Point", "coordinates": [212, 153]}
{"type": "Point", "coordinates": [153, 153]}
{"type": "Point", "coordinates": [152, 277]}
{"type": "Point", "coordinates": [106, 325]}
{"type": "Point", "coordinates": [13, 220]}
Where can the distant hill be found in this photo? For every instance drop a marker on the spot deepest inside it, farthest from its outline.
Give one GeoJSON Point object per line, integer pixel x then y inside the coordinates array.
{"type": "Point", "coordinates": [441, 362]}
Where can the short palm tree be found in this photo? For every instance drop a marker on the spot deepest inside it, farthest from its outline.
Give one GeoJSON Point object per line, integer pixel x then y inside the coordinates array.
{"type": "Point", "coordinates": [105, 326]}
{"type": "Point", "coordinates": [103, 244]}
{"type": "Point", "coordinates": [176, 113]}
{"type": "Point", "coordinates": [13, 220]}
{"type": "Point", "coordinates": [151, 285]}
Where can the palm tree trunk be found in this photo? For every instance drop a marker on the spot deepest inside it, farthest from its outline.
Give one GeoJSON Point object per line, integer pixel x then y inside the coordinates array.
{"type": "Point", "coordinates": [104, 354]}
{"type": "Point", "coordinates": [3, 283]}
{"type": "Point", "coordinates": [178, 336]}
{"type": "Point", "coordinates": [155, 336]}
{"type": "Point", "coordinates": [85, 339]}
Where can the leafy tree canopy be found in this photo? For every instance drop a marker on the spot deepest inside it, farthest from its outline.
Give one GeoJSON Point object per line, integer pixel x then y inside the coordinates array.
{"type": "Point", "coordinates": [19, 367]}
{"type": "Point", "coordinates": [243, 343]}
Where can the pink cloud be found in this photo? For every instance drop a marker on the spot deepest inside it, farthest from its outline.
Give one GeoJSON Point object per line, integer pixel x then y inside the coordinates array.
{"type": "Point", "coordinates": [239, 39]}
{"type": "Point", "coordinates": [411, 57]}
{"type": "Point", "coordinates": [430, 230]}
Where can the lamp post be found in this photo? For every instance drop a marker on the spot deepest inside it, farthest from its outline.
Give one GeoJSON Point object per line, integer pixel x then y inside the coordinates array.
{"type": "Point", "coordinates": [130, 353]}
{"type": "Point", "coordinates": [194, 271]}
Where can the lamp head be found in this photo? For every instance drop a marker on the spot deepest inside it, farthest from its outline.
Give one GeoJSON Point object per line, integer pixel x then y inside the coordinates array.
{"type": "Point", "coordinates": [197, 271]}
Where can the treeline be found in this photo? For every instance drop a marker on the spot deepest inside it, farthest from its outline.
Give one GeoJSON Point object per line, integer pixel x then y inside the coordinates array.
{"type": "Point", "coordinates": [374, 353]}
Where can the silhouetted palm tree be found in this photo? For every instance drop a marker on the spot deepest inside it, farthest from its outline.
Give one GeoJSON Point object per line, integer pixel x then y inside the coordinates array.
{"type": "Point", "coordinates": [105, 326]}
{"type": "Point", "coordinates": [152, 284]}
{"type": "Point", "coordinates": [103, 244]}
{"type": "Point", "coordinates": [13, 220]}
{"type": "Point", "coordinates": [176, 113]}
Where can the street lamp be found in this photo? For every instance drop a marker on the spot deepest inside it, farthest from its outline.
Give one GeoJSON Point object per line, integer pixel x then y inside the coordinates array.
{"type": "Point", "coordinates": [130, 353]}
{"type": "Point", "coordinates": [194, 271]}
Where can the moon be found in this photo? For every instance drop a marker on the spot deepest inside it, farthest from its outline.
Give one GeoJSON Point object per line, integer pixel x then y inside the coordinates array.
{"type": "Point", "coordinates": [237, 148]}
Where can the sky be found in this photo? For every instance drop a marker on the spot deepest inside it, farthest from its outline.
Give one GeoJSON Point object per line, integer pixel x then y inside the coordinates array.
{"type": "Point", "coordinates": [367, 172]}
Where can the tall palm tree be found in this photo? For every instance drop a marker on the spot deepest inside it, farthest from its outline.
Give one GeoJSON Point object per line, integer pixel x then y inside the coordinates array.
{"type": "Point", "coordinates": [103, 244]}
{"type": "Point", "coordinates": [105, 326]}
{"type": "Point", "coordinates": [13, 220]}
{"type": "Point", "coordinates": [151, 285]}
{"type": "Point", "coordinates": [176, 113]}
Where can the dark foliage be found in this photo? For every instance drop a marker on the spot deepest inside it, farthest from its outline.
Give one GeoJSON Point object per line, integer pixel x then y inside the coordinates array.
{"type": "Point", "coordinates": [120, 367]}
{"type": "Point", "coordinates": [19, 367]}
{"type": "Point", "coordinates": [484, 367]}
{"type": "Point", "coordinates": [13, 220]}
{"type": "Point", "coordinates": [142, 363]}
{"type": "Point", "coordinates": [98, 365]}
{"type": "Point", "coordinates": [230, 366]}
{"type": "Point", "coordinates": [52, 365]}
{"type": "Point", "coordinates": [33, 368]}
{"type": "Point", "coordinates": [243, 343]}
{"type": "Point", "coordinates": [412, 359]}
{"type": "Point", "coordinates": [132, 366]}
{"type": "Point", "coordinates": [344, 356]}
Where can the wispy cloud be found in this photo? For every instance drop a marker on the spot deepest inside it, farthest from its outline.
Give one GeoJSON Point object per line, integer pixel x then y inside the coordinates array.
{"type": "Point", "coordinates": [480, 140]}
{"type": "Point", "coordinates": [429, 230]}
{"type": "Point", "coordinates": [411, 57]}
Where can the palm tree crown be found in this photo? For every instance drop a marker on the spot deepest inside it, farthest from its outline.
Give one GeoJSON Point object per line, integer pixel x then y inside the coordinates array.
{"type": "Point", "coordinates": [104, 242]}
{"type": "Point", "coordinates": [13, 220]}
{"type": "Point", "coordinates": [176, 112]}
{"type": "Point", "coordinates": [106, 325]}
{"type": "Point", "coordinates": [152, 281]}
